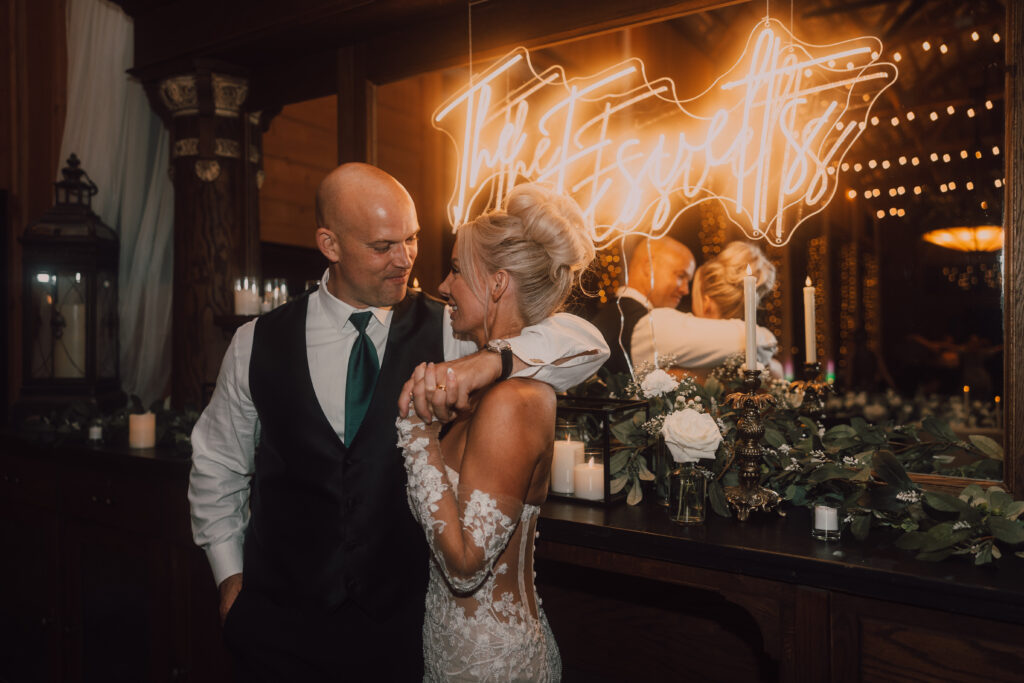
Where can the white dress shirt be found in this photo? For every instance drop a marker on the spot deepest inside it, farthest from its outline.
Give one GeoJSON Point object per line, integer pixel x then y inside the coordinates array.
{"type": "Point", "coordinates": [225, 437]}
{"type": "Point", "coordinates": [695, 342]}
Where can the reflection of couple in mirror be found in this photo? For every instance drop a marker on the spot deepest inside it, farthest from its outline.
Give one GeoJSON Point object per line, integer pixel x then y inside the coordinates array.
{"type": "Point", "coordinates": [642, 318]}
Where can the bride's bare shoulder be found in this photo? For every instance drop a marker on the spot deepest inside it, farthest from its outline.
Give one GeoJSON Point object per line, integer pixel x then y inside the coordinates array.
{"type": "Point", "coordinates": [515, 403]}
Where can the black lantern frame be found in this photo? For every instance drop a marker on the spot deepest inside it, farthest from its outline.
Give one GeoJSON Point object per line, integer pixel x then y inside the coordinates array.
{"type": "Point", "coordinates": [70, 293]}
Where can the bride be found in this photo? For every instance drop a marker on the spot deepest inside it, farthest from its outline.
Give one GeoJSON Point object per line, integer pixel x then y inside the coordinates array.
{"type": "Point", "coordinates": [477, 492]}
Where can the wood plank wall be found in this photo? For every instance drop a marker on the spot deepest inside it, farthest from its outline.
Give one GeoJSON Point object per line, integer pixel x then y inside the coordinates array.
{"type": "Point", "coordinates": [299, 149]}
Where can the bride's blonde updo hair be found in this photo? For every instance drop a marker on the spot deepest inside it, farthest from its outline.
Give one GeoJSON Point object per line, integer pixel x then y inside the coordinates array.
{"type": "Point", "coordinates": [721, 278]}
{"type": "Point", "coordinates": [540, 239]}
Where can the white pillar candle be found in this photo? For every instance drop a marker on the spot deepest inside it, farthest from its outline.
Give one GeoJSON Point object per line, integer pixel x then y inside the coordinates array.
{"type": "Point", "coordinates": [567, 454]}
{"type": "Point", "coordinates": [69, 350]}
{"type": "Point", "coordinates": [142, 430]}
{"type": "Point", "coordinates": [810, 338]}
{"type": "Point", "coordinates": [247, 297]}
{"type": "Point", "coordinates": [589, 480]}
{"type": "Point", "coordinates": [826, 518]}
{"type": "Point", "coordinates": [750, 317]}
{"type": "Point", "coordinates": [967, 400]}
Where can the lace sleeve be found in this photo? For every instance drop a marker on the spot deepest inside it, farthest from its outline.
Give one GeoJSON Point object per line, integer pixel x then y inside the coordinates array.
{"type": "Point", "coordinates": [467, 530]}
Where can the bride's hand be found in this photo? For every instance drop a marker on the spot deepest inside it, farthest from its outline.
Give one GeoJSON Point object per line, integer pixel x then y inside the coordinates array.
{"type": "Point", "coordinates": [431, 396]}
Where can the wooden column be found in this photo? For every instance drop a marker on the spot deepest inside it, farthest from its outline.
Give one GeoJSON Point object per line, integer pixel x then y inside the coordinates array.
{"type": "Point", "coordinates": [215, 166]}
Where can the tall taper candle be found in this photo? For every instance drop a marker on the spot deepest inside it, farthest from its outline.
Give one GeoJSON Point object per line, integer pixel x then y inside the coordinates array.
{"type": "Point", "coordinates": [750, 316]}
{"type": "Point", "coordinates": [810, 338]}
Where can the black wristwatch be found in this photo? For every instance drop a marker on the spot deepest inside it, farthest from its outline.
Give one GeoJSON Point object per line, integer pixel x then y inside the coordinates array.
{"type": "Point", "coordinates": [505, 349]}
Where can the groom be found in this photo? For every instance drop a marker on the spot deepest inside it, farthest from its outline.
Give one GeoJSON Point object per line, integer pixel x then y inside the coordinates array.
{"type": "Point", "coordinates": [297, 487]}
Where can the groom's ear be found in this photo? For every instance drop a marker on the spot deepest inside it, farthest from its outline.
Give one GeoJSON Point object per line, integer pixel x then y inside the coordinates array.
{"type": "Point", "coordinates": [327, 242]}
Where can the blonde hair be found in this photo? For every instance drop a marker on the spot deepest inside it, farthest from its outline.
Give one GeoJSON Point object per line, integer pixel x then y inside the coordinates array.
{"type": "Point", "coordinates": [540, 239]}
{"type": "Point", "coordinates": [721, 278]}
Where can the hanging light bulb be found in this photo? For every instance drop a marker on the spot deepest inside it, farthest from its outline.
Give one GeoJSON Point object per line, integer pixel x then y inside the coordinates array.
{"type": "Point", "coordinates": [943, 49]}
{"type": "Point", "coordinates": [915, 161]}
{"type": "Point", "coordinates": [851, 194]}
{"type": "Point", "coordinates": [880, 214]}
{"type": "Point", "coordinates": [995, 38]}
{"type": "Point", "coordinates": [897, 56]}
{"type": "Point", "coordinates": [926, 46]}
{"type": "Point", "coordinates": [910, 116]}
{"type": "Point", "coordinates": [975, 36]}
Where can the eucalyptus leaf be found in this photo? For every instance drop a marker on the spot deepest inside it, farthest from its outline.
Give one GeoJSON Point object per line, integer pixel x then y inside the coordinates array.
{"type": "Point", "coordinates": [860, 527]}
{"type": "Point", "coordinates": [716, 495]}
{"type": "Point", "coordinates": [1007, 531]}
{"type": "Point", "coordinates": [1014, 509]}
{"type": "Point", "coordinates": [619, 461]}
{"type": "Point", "coordinates": [890, 470]}
{"type": "Point", "coordinates": [935, 556]}
{"type": "Point", "coordinates": [943, 502]}
{"type": "Point", "coordinates": [913, 540]}
{"type": "Point", "coordinates": [987, 446]}
{"type": "Point", "coordinates": [617, 483]}
{"type": "Point", "coordinates": [829, 471]}
{"type": "Point", "coordinates": [984, 555]}
{"type": "Point", "coordinates": [773, 437]}
{"type": "Point", "coordinates": [635, 494]}
{"type": "Point", "coordinates": [999, 501]}
{"type": "Point", "coordinates": [625, 431]}
{"type": "Point", "coordinates": [939, 429]}
{"type": "Point", "coordinates": [644, 473]}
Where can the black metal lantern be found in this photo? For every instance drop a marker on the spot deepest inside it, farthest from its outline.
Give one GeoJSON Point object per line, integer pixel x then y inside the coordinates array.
{"type": "Point", "coordinates": [70, 300]}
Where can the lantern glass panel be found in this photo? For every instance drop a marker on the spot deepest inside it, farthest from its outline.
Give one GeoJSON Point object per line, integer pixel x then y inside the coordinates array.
{"type": "Point", "coordinates": [39, 318]}
{"type": "Point", "coordinates": [69, 325]}
{"type": "Point", "coordinates": [106, 323]}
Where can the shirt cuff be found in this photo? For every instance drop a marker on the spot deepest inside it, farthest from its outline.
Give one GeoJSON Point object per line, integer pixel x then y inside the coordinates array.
{"type": "Point", "coordinates": [225, 559]}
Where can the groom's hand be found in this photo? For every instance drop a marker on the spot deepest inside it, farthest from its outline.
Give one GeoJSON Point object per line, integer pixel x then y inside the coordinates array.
{"type": "Point", "coordinates": [229, 589]}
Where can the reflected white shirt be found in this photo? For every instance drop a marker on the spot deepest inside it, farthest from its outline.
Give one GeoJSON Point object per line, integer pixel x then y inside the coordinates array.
{"type": "Point", "coordinates": [225, 436]}
{"type": "Point", "coordinates": [695, 342]}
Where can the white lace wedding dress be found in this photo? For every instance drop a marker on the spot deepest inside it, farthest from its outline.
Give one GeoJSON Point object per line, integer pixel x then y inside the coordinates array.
{"type": "Point", "coordinates": [483, 618]}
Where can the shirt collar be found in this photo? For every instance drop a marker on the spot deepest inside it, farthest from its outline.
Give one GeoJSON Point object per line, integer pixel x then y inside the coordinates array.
{"type": "Point", "coordinates": [630, 293]}
{"type": "Point", "coordinates": [339, 311]}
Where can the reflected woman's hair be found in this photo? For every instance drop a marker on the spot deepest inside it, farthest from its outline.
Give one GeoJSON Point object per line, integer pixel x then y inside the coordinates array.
{"type": "Point", "coordinates": [721, 278]}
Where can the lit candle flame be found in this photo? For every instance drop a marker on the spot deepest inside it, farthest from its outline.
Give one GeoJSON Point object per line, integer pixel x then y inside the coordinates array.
{"type": "Point", "coordinates": [807, 282]}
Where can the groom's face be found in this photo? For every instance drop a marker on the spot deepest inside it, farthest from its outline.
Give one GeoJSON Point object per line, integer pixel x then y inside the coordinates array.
{"type": "Point", "coordinates": [376, 256]}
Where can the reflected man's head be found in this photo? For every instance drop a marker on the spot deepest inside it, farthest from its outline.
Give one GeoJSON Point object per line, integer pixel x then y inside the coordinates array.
{"type": "Point", "coordinates": [670, 262]}
{"type": "Point", "coordinates": [367, 229]}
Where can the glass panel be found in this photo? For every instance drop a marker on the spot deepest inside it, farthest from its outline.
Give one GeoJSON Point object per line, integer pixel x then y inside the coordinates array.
{"type": "Point", "coordinates": [69, 325]}
{"type": "Point", "coordinates": [39, 318]}
{"type": "Point", "coordinates": [106, 325]}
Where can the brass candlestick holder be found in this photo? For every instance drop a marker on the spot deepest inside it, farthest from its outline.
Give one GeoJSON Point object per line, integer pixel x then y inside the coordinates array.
{"type": "Point", "coordinates": [748, 451]}
{"type": "Point", "coordinates": [814, 389]}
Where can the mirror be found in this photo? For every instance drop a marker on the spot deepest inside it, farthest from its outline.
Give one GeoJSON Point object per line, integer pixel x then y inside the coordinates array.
{"type": "Point", "coordinates": [907, 315]}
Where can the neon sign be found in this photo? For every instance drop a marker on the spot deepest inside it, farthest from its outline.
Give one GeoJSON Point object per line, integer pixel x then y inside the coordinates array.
{"type": "Point", "coordinates": [766, 139]}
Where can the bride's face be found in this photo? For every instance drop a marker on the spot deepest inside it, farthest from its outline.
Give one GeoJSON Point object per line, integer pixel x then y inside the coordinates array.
{"type": "Point", "coordinates": [467, 309]}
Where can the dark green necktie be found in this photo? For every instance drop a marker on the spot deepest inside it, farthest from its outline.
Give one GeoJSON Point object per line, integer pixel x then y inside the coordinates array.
{"type": "Point", "coordinates": [362, 376]}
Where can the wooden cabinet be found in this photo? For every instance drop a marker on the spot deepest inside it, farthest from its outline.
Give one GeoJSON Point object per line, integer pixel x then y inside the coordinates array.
{"type": "Point", "coordinates": [632, 597]}
{"type": "Point", "coordinates": [102, 581]}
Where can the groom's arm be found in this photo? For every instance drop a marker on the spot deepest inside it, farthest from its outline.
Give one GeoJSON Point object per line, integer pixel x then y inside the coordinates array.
{"type": "Point", "coordinates": [562, 350]}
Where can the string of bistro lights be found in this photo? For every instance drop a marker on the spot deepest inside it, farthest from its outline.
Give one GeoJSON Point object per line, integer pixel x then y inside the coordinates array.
{"type": "Point", "coordinates": [935, 157]}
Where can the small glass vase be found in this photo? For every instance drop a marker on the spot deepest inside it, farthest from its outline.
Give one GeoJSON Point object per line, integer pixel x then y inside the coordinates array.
{"type": "Point", "coordinates": [688, 489]}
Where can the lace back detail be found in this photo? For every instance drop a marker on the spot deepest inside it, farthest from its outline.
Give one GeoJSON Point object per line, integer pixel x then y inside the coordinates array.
{"type": "Point", "coordinates": [483, 622]}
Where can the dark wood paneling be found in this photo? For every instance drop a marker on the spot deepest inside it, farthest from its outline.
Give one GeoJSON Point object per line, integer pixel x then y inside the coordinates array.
{"type": "Point", "coordinates": [884, 641]}
{"type": "Point", "coordinates": [355, 106]}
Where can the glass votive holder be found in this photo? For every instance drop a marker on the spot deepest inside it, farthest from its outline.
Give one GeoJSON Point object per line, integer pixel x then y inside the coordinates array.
{"type": "Point", "coordinates": [826, 520]}
{"type": "Point", "coordinates": [247, 296]}
{"type": "Point", "coordinates": [588, 476]}
{"type": "Point", "coordinates": [688, 489]}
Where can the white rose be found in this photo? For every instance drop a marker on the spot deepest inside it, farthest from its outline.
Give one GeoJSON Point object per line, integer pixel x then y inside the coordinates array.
{"type": "Point", "coordinates": [690, 435]}
{"type": "Point", "coordinates": [658, 382]}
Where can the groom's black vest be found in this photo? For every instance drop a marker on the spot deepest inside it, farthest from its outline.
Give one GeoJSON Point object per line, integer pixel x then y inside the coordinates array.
{"type": "Point", "coordinates": [610, 321]}
{"type": "Point", "coordinates": [329, 521]}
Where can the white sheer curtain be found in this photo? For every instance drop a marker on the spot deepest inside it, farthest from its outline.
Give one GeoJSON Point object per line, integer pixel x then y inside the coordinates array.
{"type": "Point", "coordinates": [123, 147]}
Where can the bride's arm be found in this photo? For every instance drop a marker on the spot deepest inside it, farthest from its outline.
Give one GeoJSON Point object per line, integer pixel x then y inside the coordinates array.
{"type": "Point", "coordinates": [468, 529]}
